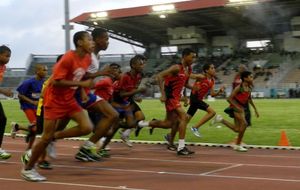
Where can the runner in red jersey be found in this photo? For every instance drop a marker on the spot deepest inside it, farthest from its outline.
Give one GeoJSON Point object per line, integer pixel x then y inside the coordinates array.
{"type": "Point", "coordinates": [200, 90]}
{"type": "Point", "coordinates": [129, 90]}
{"type": "Point", "coordinates": [237, 81]}
{"type": "Point", "coordinates": [59, 101]}
{"type": "Point", "coordinates": [5, 54]}
{"type": "Point", "coordinates": [238, 99]}
{"type": "Point", "coordinates": [171, 82]}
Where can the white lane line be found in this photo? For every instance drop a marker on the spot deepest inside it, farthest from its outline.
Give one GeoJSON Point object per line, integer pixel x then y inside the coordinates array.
{"type": "Point", "coordinates": [187, 162]}
{"type": "Point", "coordinates": [254, 178]}
{"type": "Point", "coordinates": [205, 162]}
{"type": "Point", "coordinates": [172, 173]}
{"type": "Point", "coordinates": [221, 169]}
{"type": "Point", "coordinates": [74, 184]}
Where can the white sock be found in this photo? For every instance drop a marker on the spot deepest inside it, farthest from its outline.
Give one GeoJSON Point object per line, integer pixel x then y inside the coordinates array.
{"type": "Point", "coordinates": [181, 144]}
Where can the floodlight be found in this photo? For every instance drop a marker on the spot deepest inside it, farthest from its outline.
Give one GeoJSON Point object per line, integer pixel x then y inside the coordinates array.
{"type": "Point", "coordinates": [99, 16]}
{"type": "Point", "coordinates": [102, 14]}
{"type": "Point", "coordinates": [241, 2]}
{"type": "Point", "coordinates": [161, 8]}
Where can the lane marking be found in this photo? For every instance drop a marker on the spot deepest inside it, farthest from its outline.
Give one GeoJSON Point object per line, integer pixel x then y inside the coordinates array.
{"type": "Point", "coordinates": [206, 174]}
{"type": "Point", "coordinates": [72, 184]}
{"type": "Point", "coordinates": [221, 169]}
{"type": "Point", "coordinates": [254, 178]}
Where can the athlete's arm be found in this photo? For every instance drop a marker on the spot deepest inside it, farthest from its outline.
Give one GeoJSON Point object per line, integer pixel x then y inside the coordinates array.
{"type": "Point", "coordinates": [232, 101]}
{"type": "Point", "coordinates": [174, 69]}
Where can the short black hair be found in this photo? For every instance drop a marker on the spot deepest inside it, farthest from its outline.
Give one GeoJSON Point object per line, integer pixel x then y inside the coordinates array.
{"type": "Point", "coordinates": [206, 66]}
{"type": "Point", "coordinates": [137, 58]}
{"type": "Point", "coordinates": [59, 57]}
{"type": "Point", "coordinates": [97, 32]}
{"type": "Point", "coordinates": [187, 51]}
{"type": "Point", "coordinates": [4, 49]}
{"type": "Point", "coordinates": [78, 36]}
{"type": "Point", "coordinates": [245, 74]}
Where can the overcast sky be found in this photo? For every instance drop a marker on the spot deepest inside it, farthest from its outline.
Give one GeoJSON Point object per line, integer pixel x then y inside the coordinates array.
{"type": "Point", "coordinates": [35, 26]}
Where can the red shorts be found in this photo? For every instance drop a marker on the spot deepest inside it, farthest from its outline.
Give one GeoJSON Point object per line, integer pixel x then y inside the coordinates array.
{"type": "Point", "coordinates": [172, 104]}
{"type": "Point", "coordinates": [54, 113]}
{"type": "Point", "coordinates": [31, 115]}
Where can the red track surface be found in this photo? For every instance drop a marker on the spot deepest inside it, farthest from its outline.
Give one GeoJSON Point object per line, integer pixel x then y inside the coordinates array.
{"type": "Point", "coordinates": [153, 167]}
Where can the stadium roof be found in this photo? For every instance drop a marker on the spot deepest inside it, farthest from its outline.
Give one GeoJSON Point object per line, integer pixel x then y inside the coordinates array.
{"type": "Point", "coordinates": [141, 26]}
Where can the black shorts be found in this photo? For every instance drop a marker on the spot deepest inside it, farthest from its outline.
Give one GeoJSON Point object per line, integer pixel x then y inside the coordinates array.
{"type": "Point", "coordinates": [195, 105]}
{"type": "Point", "coordinates": [40, 122]}
{"type": "Point", "coordinates": [230, 111]}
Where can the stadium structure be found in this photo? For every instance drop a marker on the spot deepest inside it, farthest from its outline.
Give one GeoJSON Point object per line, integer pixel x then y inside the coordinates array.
{"type": "Point", "coordinates": [262, 34]}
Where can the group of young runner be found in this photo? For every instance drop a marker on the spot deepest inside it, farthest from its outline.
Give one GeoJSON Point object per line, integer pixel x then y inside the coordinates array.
{"type": "Point", "coordinates": [111, 100]}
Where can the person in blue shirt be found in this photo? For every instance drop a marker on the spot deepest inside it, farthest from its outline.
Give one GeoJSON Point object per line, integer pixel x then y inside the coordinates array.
{"type": "Point", "coordinates": [29, 93]}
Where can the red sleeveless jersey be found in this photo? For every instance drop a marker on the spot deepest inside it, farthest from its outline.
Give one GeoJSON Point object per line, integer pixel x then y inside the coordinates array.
{"type": "Point", "coordinates": [204, 86]}
{"type": "Point", "coordinates": [175, 83]}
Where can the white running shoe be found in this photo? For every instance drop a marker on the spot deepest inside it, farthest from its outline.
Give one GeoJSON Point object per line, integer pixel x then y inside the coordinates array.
{"type": "Point", "coordinates": [143, 123]}
{"type": "Point", "coordinates": [51, 151]}
{"type": "Point", "coordinates": [32, 175]}
{"type": "Point", "coordinates": [239, 148]}
{"type": "Point", "coordinates": [216, 119]}
{"type": "Point", "coordinates": [13, 130]}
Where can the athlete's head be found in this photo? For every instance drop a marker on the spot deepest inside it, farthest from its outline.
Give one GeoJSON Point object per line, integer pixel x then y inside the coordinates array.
{"type": "Point", "coordinates": [115, 70]}
{"type": "Point", "coordinates": [101, 38]}
{"type": "Point", "coordinates": [83, 40]}
{"type": "Point", "coordinates": [242, 68]}
{"type": "Point", "coordinates": [188, 56]}
{"type": "Point", "coordinates": [247, 76]}
{"type": "Point", "coordinates": [41, 71]}
{"type": "Point", "coordinates": [209, 68]}
{"type": "Point", "coordinates": [138, 62]}
{"type": "Point", "coordinates": [5, 53]}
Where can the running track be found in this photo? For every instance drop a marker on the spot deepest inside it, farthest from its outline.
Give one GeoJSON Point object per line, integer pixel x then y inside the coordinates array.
{"type": "Point", "coordinates": [152, 167]}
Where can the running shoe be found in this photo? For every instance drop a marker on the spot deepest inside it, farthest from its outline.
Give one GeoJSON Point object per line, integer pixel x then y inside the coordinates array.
{"type": "Point", "coordinates": [45, 165]}
{"type": "Point", "coordinates": [239, 148]}
{"type": "Point", "coordinates": [82, 157]}
{"type": "Point", "coordinates": [171, 147]}
{"type": "Point", "coordinates": [32, 175]}
{"type": "Point", "coordinates": [4, 155]}
{"type": "Point", "coordinates": [216, 119]}
{"type": "Point", "coordinates": [103, 153]}
{"type": "Point", "coordinates": [185, 152]}
{"type": "Point", "coordinates": [196, 132]}
{"type": "Point", "coordinates": [90, 153]}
